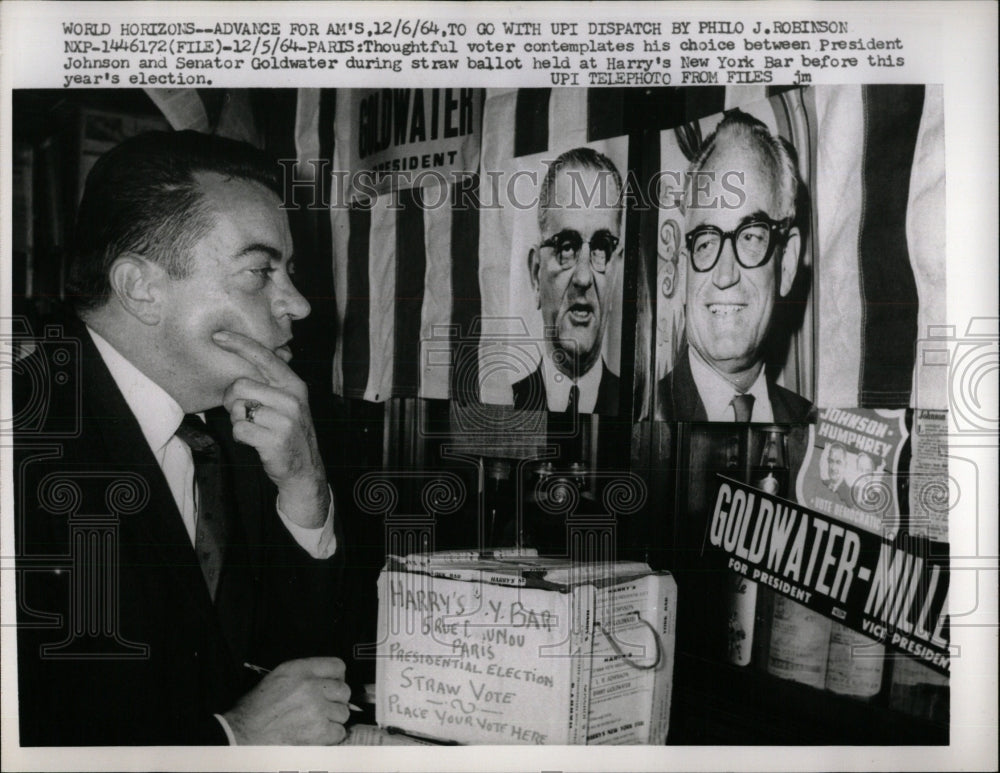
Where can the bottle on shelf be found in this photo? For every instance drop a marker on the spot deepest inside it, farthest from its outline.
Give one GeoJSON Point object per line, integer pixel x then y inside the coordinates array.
{"type": "Point", "coordinates": [771, 475]}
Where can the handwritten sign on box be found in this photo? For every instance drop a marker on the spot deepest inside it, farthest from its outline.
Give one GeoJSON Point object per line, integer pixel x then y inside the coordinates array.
{"type": "Point", "coordinates": [489, 654]}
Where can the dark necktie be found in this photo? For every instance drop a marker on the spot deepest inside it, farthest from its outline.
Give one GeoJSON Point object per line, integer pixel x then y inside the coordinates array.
{"type": "Point", "coordinates": [211, 504]}
{"type": "Point", "coordinates": [574, 398]}
{"type": "Point", "coordinates": [743, 406]}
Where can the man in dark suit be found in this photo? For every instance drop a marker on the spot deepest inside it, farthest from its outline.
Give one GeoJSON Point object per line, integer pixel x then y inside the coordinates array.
{"type": "Point", "coordinates": [175, 526]}
{"type": "Point", "coordinates": [579, 219]}
{"type": "Point", "coordinates": [740, 256]}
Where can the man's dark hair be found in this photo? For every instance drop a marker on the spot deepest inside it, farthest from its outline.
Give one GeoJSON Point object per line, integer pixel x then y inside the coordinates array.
{"type": "Point", "coordinates": [142, 197]}
{"type": "Point", "coordinates": [579, 158]}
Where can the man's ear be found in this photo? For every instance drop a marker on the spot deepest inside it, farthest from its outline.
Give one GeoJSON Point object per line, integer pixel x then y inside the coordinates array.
{"type": "Point", "coordinates": [534, 266]}
{"type": "Point", "coordinates": [789, 262]}
{"type": "Point", "coordinates": [135, 283]}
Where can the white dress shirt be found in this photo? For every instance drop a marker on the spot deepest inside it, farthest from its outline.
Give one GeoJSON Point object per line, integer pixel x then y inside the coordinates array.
{"type": "Point", "coordinates": [717, 393]}
{"type": "Point", "coordinates": [558, 385]}
{"type": "Point", "coordinates": [159, 416]}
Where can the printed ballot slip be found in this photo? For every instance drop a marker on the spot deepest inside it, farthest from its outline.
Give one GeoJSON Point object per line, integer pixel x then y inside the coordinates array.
{"type": "Point", "coordinates": [525, 650]}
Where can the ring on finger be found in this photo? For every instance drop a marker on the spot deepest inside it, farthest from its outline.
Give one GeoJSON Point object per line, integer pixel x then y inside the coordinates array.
{"type": "Point", "coordinates": [250, 408]}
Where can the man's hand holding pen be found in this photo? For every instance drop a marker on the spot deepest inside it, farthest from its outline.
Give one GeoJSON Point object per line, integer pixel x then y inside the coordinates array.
{"type": "Point", "coordinates": [300, 702]}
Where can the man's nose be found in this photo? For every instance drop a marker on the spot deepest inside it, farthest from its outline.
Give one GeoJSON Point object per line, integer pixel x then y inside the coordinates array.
{"type": "Point", "coordinates": [291, 302]}
{"type": "Point", "coordinates": [583, 272]}
{"type": "Point", "coordinates": [727, 271]}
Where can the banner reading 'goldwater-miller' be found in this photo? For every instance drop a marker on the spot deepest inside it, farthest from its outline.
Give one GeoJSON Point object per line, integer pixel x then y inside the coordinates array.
{"type": "Point", "coordinates": [895, 592]}
{"type": "Point", "coordinates": [405, 137]}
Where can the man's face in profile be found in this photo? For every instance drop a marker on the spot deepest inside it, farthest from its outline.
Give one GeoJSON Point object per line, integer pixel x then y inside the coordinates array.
{"type": "Point", "coordinates": [239, 281]}
{"type": "Point", "coordinates": [569, 270]}
{"type": "Point", "coordinates": [728, 305]}
{"type": "Point", "coordinates": [835, 466]}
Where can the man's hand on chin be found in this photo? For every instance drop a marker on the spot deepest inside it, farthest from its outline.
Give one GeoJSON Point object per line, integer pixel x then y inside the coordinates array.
{"type": "Point", "coordinates": [272, 415]}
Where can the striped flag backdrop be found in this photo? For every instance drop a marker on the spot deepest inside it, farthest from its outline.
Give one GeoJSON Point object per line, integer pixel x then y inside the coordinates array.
{"type": "Point", "coordinates": [371, 360]}
{"type": "Point", "coordinates": [879, 197]}
{"type": "Point", "coordinates": [405, 262]}
{"type": "Point", "coordinates": [223, 112]}
{"type": "Point", "coordinates": [412, 282]}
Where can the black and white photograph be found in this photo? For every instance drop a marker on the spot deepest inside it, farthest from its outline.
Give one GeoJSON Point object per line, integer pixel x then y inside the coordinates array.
{"type": "Point", "coordinates": [624, 387]}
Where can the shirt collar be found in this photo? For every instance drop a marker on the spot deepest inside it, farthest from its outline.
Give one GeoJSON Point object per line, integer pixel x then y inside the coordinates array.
{"type": "Point", "coordinates": [717, 393]}
{"type": "Point", "coordinates": [558, 384]}
{"type": "Point", "coordinates": [158, 414]}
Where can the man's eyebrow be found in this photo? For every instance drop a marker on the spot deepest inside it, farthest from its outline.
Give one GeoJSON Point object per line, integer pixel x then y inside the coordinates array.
{"type": "Point", "coordinates": [272, 253]}
{"type": "Point", "coordinates": [755, 216]}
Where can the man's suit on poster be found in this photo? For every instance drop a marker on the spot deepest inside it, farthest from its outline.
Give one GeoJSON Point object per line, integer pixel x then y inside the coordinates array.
{"type": "Point", "coordinates": [841, 491]}
{"type": "Point", "coordinates": [174, 658]}
{"type": "Point", "coordinates": [530, 393]}
{"type": "Point", "coordinates": [677, 398]}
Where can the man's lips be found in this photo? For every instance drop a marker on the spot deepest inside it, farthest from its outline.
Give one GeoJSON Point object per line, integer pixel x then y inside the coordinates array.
{"type": "Point", "coordinates": [725, 309]}
{"type": "Point", "coordinates": [580, 313]}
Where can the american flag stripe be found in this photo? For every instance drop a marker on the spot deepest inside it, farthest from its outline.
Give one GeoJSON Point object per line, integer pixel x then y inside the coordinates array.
{"type": "Point", "coordinates": [531, 121]}
{"type": "Point", "coordinates": [837, 192]}
{"type": "Point", "coordinates": [701, 102]}
{"type": "Point", "coordinates": [492, 283]}
{"type": "Point", "coordinates": [466, 301]}
{"type": "Point", "coordinates": [355, 361]}
{"type": "Point", "coordinates": [307, 132]}
{"type": "Point", "coordinates": [925, 234]}
{"type": "Point", "coordinates": [340, 232]}
{"type": "Point", "coordinates": [792, 117]}
{"type": "Point", "coordinates": [568, 122]}
{"type": "Point", "coordinates": [890, 302]}
{"type": "Point", "coordinates": [744, 95]}
{"type": "Point", "coordinates": [605, 111]}
{"type": "Point", "coordinates": [435, 311]}
{"type": "Point", "coordinates": [382, 299]}
{"type": "Point", "coordinates": [411, 262]}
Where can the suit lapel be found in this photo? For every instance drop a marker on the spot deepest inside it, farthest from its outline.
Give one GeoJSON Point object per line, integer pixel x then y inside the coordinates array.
{"type": "Point", "coordinates": [529, 392]}
{"type": "Point", "coordinates": [607, 393]}
{"type": "Point", "coordinates": [159, 524]}
{"type": "Point", "coordinates": [779, 407]}
{"type": "Point", "coordinates": [687, 403]}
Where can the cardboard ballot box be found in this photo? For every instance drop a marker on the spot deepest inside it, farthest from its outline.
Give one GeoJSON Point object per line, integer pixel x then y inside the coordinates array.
{"type": "Point", "coordinates": [525, 650]}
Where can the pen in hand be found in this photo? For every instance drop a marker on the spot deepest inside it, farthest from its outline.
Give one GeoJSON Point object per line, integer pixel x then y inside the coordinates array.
{"type": "Point", "coordinates": [261, 670]}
